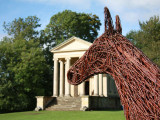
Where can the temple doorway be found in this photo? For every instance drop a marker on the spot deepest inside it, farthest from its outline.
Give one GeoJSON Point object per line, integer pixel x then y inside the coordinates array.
{"type": "Point", "coordinates": [87, 88]}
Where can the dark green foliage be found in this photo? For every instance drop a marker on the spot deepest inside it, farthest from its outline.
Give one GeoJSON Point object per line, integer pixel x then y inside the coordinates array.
{"type": "Point", "coordinates": [148, 38]}
{"type": "Point", "coordinates": [67, 24]}
{"type": "Point", "coordinates": [23, 68]}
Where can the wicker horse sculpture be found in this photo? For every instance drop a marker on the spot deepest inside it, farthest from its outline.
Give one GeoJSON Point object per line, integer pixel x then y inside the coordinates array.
{"type": "Point", "coordinates": [137, 79]}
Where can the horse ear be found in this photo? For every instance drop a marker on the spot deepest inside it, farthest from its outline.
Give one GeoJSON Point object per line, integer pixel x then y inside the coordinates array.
{"type": "Point", "coordinates": [108, 21]}
{"type": "Point", "coordinates": [118, 25]}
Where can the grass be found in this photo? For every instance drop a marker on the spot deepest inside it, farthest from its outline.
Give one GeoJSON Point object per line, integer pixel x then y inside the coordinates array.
{"type": "Point", "coordinates": [64, 115]}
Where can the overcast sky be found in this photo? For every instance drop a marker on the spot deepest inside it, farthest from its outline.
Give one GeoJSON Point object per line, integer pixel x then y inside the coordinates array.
{"type": "Point", "coordinates": [130, 11]}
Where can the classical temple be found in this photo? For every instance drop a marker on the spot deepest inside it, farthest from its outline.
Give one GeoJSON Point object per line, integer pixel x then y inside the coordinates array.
{"type": "Point", "coordinates": [97, 92]}
{"type": "Point", "coordinates": [64, 55]}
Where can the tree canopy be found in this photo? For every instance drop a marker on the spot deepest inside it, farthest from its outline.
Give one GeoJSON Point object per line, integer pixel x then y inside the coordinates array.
{"type": "Point", "coordinates": [148, 38]}
{"type": "Point", "coordinates": [67, 24]}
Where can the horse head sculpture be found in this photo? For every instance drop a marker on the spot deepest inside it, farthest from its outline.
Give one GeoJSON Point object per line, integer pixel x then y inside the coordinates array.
{"type": "Point", "coordinates": [137, 79]}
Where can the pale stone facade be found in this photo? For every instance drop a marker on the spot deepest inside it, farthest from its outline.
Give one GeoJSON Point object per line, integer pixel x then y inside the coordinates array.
{"type": "Point", "coordinates": [64, 55]}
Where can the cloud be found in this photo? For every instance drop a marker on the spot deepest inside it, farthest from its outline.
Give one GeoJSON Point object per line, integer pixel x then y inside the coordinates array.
{"type": "Point", "coordinates": [134, 10]}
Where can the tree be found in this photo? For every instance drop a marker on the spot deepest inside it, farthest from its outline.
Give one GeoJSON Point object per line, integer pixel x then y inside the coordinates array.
{"type": "Point", "coordinates": [148, 38]}
{"type": "Point", "coordinates": [23, 68]}
{"type": "Point", "coordinates": [67, 24]}
{"type": "Point", "coordinates": [26, 28]}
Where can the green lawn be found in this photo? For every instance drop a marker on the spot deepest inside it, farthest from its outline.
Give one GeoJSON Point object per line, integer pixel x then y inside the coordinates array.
{"type": "Point", "coordinates": [64, 115]}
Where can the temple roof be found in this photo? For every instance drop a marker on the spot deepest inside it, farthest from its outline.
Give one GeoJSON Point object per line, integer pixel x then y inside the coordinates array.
{"type": "Point", "coordinates": [72, 44]}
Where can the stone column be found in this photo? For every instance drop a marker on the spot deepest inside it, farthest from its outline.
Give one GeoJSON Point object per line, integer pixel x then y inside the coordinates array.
{"type": "Point", "coordinates": [82, 89]}
{"type": "Point", "coordinates": [105, 89]}
{"type": "Point", "coordinates": [61, 77]}
{"type": "Point", "coordinates": [91, 87]}
{"type": "Point", "coordinates": [55, 80]}
{"type": "Point", "coordinates": [72, 90]}
{"type": "Point", "coordinates": [67, 85]}
{"type": "Point", "coordinates": [101, 84]}
{"type": "Point", "coordinates": [96, 85]}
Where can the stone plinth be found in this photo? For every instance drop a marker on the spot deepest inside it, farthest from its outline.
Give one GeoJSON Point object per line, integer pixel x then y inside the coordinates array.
{"type": "Point", "coordinates": [43, 101]}
{"type": "Point", "coordinates": [84, 102]}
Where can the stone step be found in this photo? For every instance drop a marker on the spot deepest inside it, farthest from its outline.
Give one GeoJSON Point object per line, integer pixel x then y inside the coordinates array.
{"type": "Point", "coordinates": [65, 103]}
{"type": "Point", "coordinates": [69, 100]}
{"type": "Point", "coordinates": [63, 109]}
{"type": "Point", "coordinates": [64, 106]}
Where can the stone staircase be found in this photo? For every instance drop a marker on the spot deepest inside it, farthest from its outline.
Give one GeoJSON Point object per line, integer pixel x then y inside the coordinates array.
{"type": "Point", "coordinates": [65, 104]}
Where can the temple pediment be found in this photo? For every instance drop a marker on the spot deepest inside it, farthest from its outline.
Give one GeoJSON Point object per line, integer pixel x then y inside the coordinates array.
{"type": "Point", "coordinates": [72, 44]}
